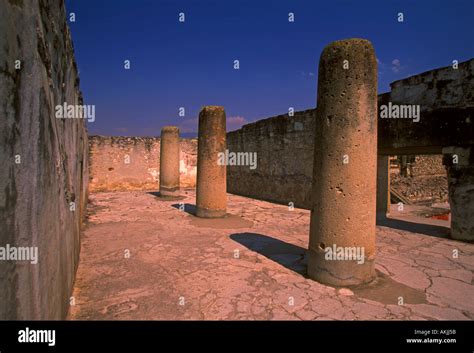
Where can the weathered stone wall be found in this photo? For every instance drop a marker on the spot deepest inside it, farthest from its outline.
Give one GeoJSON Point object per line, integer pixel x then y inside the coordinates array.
{"type": "Point", "coordinates": [133, 163]}
{"type": "Point", "coordinates": [284, 147]}
{"type": "Point", "coordinates": [446, 100]}
{"type": "Point", "coordinates": [43, 174]}
{"type": "Point", "coordinates": [446, 87]}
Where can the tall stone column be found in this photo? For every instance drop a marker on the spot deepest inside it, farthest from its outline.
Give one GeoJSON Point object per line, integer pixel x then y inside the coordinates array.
{"type": "Point", "coordinates": [169, 161]}
{"type": "Point", "coordinates": [383, 186]}
{"type": "Point", "coordinates": [459, 163]}
{"type": "Point", "coordinates": [342, 230]}
{"type": "Point", "coordinates": [211, 194]}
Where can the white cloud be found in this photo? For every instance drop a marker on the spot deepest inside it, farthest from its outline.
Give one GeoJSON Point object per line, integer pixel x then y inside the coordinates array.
{"type": "Point", "coordinates": [396, 65]}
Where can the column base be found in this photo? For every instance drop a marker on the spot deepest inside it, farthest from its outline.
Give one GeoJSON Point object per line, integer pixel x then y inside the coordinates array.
{"type": "Point", "coordinates": [171, 192]}
{"type": "Point", "coordinates": [339, 273]}
{"type": "Point", "coordinates": [207, 213]}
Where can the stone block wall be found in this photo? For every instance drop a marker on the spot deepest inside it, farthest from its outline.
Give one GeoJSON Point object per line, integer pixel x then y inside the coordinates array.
{"type": "Point", "coordinates": [284, 147]}
{"type": "Point", "coordinates": [446, 100]}
{"type": "Point", "coordinates": [44, 164]}
{"type": "Point", "coordinates": [133, 163]}
{"type": "Point", "coordinates": [447, 87]}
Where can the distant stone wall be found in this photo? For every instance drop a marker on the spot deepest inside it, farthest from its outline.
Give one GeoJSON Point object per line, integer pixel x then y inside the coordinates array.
{"type": "Point", "coordinates": [133, 163]}
{"type": "Point", "coordinates": [427, 182]}
{"type": "Point", "coordinates": [43, 160]}
{"type": "Point", "coordinates": [284, 147]}
{"type": "Point", "coordinates": [428, 165]}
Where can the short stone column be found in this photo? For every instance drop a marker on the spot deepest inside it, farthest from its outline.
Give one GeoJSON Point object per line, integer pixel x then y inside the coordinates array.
{"type": "Point", "coordinates": [211, 193]}
{"type": "Point", "coordinates": [169, 161]}
{"type": "Point", "coordinates": [383, 186]}
{"type": "Point", "coordinates": [342, 230]}
{"type": "Point", "coordinates": [459, 163]}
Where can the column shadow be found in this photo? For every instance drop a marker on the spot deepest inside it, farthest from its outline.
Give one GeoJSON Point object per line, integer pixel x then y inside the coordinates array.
{"type": "Point", "coordinates": [421, 228]}
{"type": "Point", "coordinates": [158, 195]}
{"type": "Point", "coordinates": [291, 256]}
{"type": "Point", "coordinates": [188, 208]}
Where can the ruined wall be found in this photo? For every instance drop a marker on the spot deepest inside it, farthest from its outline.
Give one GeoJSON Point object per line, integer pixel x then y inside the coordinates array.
{"type": "Point", "coordinates": [284, 147]}
{"type": "Point", "coordinates": [43, 159]}
{"type": "Point", "coordinates": [447, 87]}
{"type": "Point", "coordinates": [133, 163]}
{"type": "Point", "coordinates": [446, 100]}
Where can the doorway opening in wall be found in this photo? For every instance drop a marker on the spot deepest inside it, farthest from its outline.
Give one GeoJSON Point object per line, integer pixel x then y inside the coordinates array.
{"type": "Point", "coordinates": [419, 187]}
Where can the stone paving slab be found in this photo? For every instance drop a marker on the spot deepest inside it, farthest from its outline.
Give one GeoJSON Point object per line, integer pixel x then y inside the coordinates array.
{"type": "Point", "coordinates": [146, 258]}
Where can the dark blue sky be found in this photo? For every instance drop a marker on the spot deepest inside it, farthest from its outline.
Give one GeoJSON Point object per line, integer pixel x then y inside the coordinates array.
{"type": "Point", "coordinates": [190, 64]}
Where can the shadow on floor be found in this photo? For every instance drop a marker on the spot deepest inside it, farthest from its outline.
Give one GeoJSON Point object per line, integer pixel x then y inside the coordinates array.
{"type": "Point", "coordinates": [188, 208]}
{"type": "Point", "coordinates": [421, 228]}
{"type": "Point", "coordinates": [386, 290]}
{"type": "Point", "coordinates": [166, 198]}
{"type": "Point", "coordinates": [229, 221]}
{"type": "Point", "coordinates": [288, 255]}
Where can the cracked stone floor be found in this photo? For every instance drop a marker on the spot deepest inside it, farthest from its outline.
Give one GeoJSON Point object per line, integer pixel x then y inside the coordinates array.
{"type": "Point", "coordinates": [146, 258]}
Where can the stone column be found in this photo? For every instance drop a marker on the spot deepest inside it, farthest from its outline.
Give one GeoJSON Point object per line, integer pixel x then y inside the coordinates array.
{"type": "Point", "coordinates": [342, 230]}
{"type": "Point", "coordinates": [459, 163]}
{"type": "Point", "coordinates": [211, 196]}
{"type": "Point", "coordinates": [383, 186]}
{"type": "Point", "coordinates": [169, 161]}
